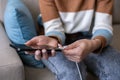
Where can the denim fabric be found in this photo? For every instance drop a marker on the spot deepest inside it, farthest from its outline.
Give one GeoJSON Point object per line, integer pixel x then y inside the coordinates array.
{"type": "Point", "coordinates": [63, 68]}
{"type": "Point", "coordinates": [105, 65]}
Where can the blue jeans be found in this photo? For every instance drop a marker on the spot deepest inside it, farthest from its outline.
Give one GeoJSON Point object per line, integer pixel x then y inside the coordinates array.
{"type": "Point", "coordinates": [105, 65]}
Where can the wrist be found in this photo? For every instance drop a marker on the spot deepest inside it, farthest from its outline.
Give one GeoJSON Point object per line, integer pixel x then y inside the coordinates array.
{"type": "Point", "coordinates": [96, 44]}
{"type": "Point", "coordinates": [56, 38]}
{"type": "Point", "coordinates": [100, 43]}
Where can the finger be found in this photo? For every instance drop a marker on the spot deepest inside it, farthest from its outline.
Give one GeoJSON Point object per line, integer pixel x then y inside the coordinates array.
{"type": "Point", "coordinates": [44, 54]}
{"type": "Point", "coordinates": [76, 51]}
{"type": "Point", "coordinates": [41, 43]}
{"type": "Point", "coordinates": [74, 59]}
{"type": "Point", "coordinates": [52, 52]}
{"type": "Point", "coordinates": [69, 52]}
{"type": "Point", "coordinates": [71, 46]}
{"type": "Point", "coordinates": [37, 55]}
{"type": "Point", "coordinates": [31, 42]}
{"type": "Point", "coordinates": [60, 46]}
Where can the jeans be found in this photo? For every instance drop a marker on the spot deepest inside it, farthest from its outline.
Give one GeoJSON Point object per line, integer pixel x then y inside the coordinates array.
{"type": "Point", "coordinates": [105, 65]}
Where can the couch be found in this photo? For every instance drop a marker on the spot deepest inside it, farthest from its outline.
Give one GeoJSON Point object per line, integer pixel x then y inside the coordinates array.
{"type": "Point", "coordinates": [12, 68]}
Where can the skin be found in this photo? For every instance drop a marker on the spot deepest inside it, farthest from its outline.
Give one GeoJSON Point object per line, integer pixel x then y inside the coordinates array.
{"type": "Point", "coordinates": [37, 41]}
{"type": "Point", "coordinates": [76, 51]}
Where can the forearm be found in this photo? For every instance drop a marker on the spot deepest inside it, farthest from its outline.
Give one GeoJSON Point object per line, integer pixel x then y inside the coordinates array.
{"type": "Point", "coordinates": [103, 24]}
{"type": "Point", "coordinates": [51, 20]}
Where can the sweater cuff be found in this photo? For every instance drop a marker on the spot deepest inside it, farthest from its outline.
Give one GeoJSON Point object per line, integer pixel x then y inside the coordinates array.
{"type": "Point", "coordinates": [104, 36]}
{"type": "Point", "coordinates": [104, 33]}
{"type": "Point", "coordinates": [59, 35]}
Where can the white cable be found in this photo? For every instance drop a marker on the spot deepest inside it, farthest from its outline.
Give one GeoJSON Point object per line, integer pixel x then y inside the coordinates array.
{"type": "Point", "coordinates": [79, 71]}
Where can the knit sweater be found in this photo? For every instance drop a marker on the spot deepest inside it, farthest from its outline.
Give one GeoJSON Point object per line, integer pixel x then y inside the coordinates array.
{"type": "Point", "coordinates": [71, 16]}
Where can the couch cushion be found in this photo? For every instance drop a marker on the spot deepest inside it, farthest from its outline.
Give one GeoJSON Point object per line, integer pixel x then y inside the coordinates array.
{"type": "Point", "coordinates": [11, 67]}
{"type": "Point", "coordinates": [116, 38]}
{"type": "Point", "coordinates": [20, 28]}
{"type": "Point", "coordinates": [2, 5]}
{"type": "Point", "coordinates": [18, 22]}
{"type": "Point", "coordinates": [116, 12]}
{"type": "Point", "coordinates": [38, 74]}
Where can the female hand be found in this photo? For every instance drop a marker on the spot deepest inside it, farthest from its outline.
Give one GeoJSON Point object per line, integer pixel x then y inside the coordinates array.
{"type": "Point", "coordinates": [78, 50]}
{"type": "Point", "coordinates": [37, 41]}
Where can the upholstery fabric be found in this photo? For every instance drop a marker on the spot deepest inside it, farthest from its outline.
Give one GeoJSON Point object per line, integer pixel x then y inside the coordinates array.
{"type": "Point", "coordinates": [116, 12]}
{"type": "Point", "coordinates": [38, 74]}
{"type": "Point", "coordinates": [11, 67]}
{"type": "Point", "coordinates": [116, 37]}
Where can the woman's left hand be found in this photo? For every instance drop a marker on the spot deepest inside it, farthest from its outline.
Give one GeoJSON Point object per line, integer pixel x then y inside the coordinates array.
{"type": "Point", "coordinates": [78, 50]}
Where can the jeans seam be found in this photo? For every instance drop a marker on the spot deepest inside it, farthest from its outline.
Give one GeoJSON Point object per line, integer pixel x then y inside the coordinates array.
{"type": "Point", "coordinates": [56, 71]}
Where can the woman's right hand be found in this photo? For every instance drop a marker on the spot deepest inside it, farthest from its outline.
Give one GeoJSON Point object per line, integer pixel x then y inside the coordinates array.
{"type": "Point", "coordinates": [37, 41]}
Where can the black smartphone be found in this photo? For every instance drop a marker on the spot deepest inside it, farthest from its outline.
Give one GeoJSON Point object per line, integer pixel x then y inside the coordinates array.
{"type": "Point", "coordinates": [23, 47]}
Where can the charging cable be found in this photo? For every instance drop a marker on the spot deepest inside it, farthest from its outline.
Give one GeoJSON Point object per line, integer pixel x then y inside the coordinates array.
{"type": "Point", "coordinates": [79, 72]}
{"type": "Point", "coordinates": [80, 75]}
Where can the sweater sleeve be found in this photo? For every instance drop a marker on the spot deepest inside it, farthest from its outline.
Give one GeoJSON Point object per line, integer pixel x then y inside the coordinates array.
{"type": "Point", "coordinates": [51, 20]}
{"type": "Point", "coordinates": [103, 21]}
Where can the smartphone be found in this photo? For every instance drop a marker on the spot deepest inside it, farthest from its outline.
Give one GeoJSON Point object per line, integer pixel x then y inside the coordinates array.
{"type": "Point", "coordinates": [23, 47]}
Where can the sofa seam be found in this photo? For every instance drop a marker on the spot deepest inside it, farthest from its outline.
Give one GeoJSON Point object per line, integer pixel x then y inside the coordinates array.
{"type": "Point", "coordinates": [22, 67]}
{"type": "Point", "coordinates": [10, 64]}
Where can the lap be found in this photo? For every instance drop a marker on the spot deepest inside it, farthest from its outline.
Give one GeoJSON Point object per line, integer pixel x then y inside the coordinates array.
{"type": "Point", "coordinates": [106, 64]}
{"type": "Point", "coordinates": [61, 66]}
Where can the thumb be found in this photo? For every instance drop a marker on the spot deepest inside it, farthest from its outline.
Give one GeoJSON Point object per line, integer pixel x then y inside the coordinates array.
{"type": "Point", "coordinates": [71, 46]}
{"type": "Point", "coordinates": [30, 42]}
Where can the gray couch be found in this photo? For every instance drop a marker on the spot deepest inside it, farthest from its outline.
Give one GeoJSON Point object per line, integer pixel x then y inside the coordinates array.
{"type": "Point", "coordinates": [11, 67]}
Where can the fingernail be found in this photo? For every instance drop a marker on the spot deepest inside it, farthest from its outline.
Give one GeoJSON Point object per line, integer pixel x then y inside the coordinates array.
{"type": "Point", "coordinates": [43, 50]}
{"type": "Point", "coordinates": [26, 52]}
{"type": "Point", "coordinates": [37, 52]}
